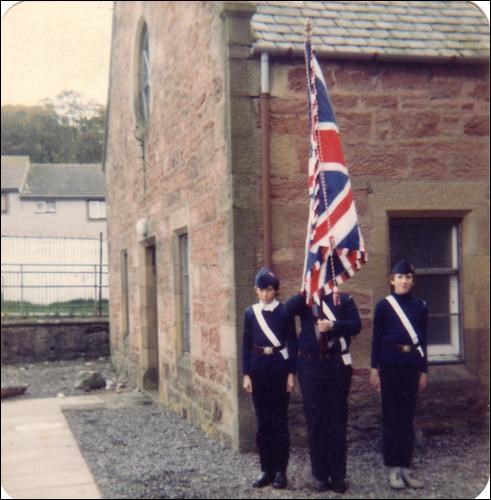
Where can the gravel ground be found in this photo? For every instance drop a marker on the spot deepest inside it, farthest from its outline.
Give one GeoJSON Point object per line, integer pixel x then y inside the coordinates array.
{"type": "Point", "coordinates": [48, 379]}
{"type": "Point", "coordinates": [146, 451]}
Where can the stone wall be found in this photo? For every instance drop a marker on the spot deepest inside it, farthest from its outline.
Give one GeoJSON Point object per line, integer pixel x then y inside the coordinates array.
{"type": "Point", "coordinates": [415, 139]}
{"type": "Point", "coordinates": [416, 142]}
{"type": "Point", "coordinates": [54, 339]}
{"type": "Point", "coordinates": [178, 182]}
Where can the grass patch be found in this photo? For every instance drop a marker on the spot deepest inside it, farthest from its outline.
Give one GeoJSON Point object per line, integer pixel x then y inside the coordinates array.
{"type": "Point", "coordinates": [76, 307]}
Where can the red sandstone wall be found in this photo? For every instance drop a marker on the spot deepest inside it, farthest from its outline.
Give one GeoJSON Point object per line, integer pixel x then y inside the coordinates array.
{"type": "Point", "coordinates": [182, 183]}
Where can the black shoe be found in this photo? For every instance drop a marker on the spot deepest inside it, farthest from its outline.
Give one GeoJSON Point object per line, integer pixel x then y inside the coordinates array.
{"type": "Point", "coordinates": [280, 481]}
{"type": "Point", "coordinates": [320, 484]}
{"type": "Point", "coordinates": [263, 479]}
{"type": "Point", "coordinates": [338, 486]}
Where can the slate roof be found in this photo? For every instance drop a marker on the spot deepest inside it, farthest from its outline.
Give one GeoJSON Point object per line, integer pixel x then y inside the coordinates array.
{"type": "Point", "coordinates": [13, 171]}
{"type": "Point", "coordinates": [62, 180]}
{"type": "Point", "coordinates": [453, 30]}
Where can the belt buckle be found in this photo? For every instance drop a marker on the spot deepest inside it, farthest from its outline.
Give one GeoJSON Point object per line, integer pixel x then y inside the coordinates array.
{"type": "Point", "coordinates": [268, 350]}
{"type": "Point", "coordinates": [406, 348]}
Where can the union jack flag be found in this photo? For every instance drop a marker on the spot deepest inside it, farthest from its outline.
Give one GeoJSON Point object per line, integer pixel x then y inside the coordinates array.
{"type": "Point", "coordinates": [334, 248]}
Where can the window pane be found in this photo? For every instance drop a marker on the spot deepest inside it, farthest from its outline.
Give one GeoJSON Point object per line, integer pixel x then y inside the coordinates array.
{"type": "Point", "coordinates": [40, 207]}
{"type": "Point", "coordinates": [97, 209]}
{"type": "Point", "coordinates": [435, 290]}
{"type": "Point", "coordinates": [185, 299]}
{"type": "Point", "coordinates": [144, 80]}
{"type": "Point", "coordinates": [423, 242]}
{"type": "Point", "coordinates": [125, 292]}
{"type": "Point", "coordinates": [439, 330]}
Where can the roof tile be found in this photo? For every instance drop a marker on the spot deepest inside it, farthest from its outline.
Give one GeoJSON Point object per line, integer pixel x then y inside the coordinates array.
{"type": "Point", "coordinates": [72, 180]}
{"type": "Point", "coordinates": [13, 171]}
{"type": "Point", "coordinates": [399, 28]}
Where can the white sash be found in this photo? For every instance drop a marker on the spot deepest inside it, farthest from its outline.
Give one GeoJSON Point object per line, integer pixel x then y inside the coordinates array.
{"type": "Point", "coordinates": [328, 312]}
{"type": "Point", "coordinates": [405, 321]}
{"type": "Point", "coordinates": [344, 346]}
{"type": "Point", "coordinates": [267, 330]}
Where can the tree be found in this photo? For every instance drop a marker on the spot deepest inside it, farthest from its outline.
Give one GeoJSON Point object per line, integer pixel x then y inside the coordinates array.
{"type": "Point", "coordinates": [34, 131]}
{"type": "Point", "coordinates": [65, 130]}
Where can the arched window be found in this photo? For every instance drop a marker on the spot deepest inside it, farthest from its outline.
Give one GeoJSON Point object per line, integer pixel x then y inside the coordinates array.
{"type": "Point", "coordinates": [143, 81]}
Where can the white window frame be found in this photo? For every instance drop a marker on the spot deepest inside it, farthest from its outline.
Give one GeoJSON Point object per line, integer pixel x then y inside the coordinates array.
{"type": "Point", "coordinates": [45, 207]}
{"type": "Point", "coordinates": [453, 350]}
{"type": "Point", "coordinates": [100, 210]}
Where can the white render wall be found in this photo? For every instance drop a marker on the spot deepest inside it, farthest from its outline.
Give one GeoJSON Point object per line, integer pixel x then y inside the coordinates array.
{"type": "Point", "coordinates": [71, 219]}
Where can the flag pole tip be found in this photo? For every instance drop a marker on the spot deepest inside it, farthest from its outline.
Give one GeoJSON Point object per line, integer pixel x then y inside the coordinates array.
{"type": "Point", "coordinates": [308, 26]}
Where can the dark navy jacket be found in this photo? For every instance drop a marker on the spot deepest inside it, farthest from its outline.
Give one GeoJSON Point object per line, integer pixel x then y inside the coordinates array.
{"type": "Point", "coordinates": [388, 329]}
{"type": "Point", "coordinates": [283, 327]}
{"type": "Point", "coordinates": [347, 325]}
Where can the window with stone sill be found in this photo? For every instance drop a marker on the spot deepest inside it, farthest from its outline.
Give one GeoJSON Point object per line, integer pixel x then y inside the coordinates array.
{"type": "Point", "coordinates": [433, 247]}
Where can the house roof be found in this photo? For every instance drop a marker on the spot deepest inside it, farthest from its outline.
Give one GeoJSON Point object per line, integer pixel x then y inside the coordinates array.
{"type": "Point", "coordinates": [64, 180]}
{"type": "Point", "coordinates": [446, 30]}
{"type": "Point", "coordinates": [13, 171]}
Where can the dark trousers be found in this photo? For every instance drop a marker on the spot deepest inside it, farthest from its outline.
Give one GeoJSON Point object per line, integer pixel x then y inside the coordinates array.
{"type": "Point", "coordinates": [271, 400]}
{"type": "Point", "coordinates": [399, 386]}
{"type": "Point", "coordinates": [325, 387]}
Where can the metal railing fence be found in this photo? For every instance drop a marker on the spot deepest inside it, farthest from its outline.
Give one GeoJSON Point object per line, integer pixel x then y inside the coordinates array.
{"type": "Point", "coordinates": [53, 276]}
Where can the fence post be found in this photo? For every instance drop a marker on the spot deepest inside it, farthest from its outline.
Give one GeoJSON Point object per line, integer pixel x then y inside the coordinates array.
{"type": "Point", "coordinates": [100, 274]}
{"type": "Point", "coordinates": [95, 289]}
{"type": "Point", "coordinates": [21, 289]}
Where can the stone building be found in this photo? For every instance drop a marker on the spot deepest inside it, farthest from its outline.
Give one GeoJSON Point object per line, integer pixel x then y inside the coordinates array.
{"type": "Point", "coordinates": [206, 162]}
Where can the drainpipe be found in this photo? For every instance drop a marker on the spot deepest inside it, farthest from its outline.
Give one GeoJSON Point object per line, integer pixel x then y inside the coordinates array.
{"type": "Point", "coordinates": [266, 162]}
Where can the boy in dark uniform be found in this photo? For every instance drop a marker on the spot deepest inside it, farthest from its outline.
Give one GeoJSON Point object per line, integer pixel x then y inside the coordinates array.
{"type": "Point", "coordinates": [269, 364]}
{"type": "Point", "coordinates": [399, 366]}
{"type": "Point", "coordinates": [324, 373]}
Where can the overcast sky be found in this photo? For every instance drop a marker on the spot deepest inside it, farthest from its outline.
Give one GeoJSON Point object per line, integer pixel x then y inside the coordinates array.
{"type": "Point", "coordinates": [49, 46]}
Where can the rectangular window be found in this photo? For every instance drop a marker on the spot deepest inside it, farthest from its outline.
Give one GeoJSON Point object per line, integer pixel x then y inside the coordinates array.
{"type": "Point", "coordinates": [5, 203]}
{"type": "Point", "coordinates": [45, 207]}
{"type": "Point", "coordinates": [184, 287]}
{"type": "Point", "coordinates": [432, 245]}
{"type": "Point", "coordinates": [96, 209]}
{"type": "Point", "coordinates": [125, 293]}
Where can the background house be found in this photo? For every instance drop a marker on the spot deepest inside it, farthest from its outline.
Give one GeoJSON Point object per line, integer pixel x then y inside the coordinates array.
{"type": "Point", "coordinates": [53, 238]}
{"type": "Point", "coordinates": [13, 171]}
{"type": "Point", "coordinates": [52, 199]}
{"type": "Point", "coordinates": [193, 122]}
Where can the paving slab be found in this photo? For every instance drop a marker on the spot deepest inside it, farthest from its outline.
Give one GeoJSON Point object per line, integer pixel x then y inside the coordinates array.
{"type": "Point", "coordinates": [40, 457]}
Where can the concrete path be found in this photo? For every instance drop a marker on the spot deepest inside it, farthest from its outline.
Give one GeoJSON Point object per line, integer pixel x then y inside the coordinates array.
{"type": "Point", "coordinates": [40, 457]}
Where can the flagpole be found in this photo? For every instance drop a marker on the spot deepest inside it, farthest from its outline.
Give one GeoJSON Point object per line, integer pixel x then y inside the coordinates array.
{"type": "Point", "coordinates": [315, 132]}
{"type": "Point", "coordinates": [305, 287]}
{"type": "Point", "coordinates": [308, 28]}
{"type": "Point", "coordinates": [326, 265]}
